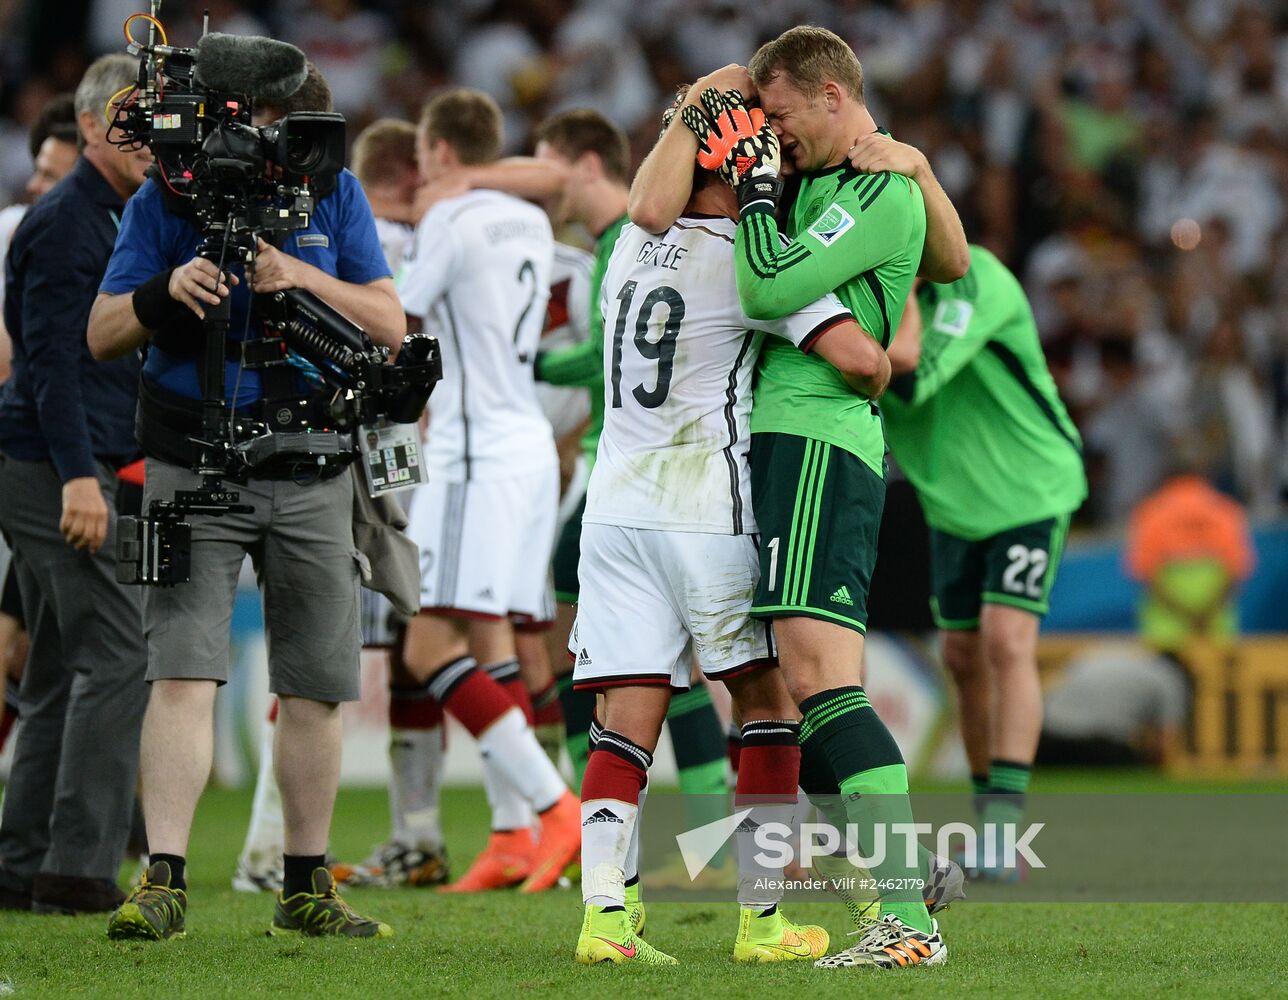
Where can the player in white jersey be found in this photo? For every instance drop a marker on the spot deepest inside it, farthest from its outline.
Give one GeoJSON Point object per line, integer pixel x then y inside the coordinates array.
{"type": "Point", "coordinates": [669, 563]}
{"type": "Point", "coordinates": [479, 277]}
{"type": "Point", "coordinates": [567, 323]}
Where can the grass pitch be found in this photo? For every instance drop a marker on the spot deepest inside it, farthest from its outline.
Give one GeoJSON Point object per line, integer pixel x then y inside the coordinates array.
{"type": "Point", "coordinates": [506, 945]}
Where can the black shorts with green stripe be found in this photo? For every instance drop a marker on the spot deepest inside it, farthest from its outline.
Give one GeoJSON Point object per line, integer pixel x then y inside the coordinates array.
{"type": "Point", "coordinates": [819, 512]}
{"type": "Point", "coordinates": [1016, 567]}
{"type": "Point", "coordinates": [567, 554]}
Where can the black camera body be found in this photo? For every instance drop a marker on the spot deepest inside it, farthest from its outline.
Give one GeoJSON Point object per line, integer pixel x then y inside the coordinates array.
{"type": "Point", "coordinates": [193, 108]}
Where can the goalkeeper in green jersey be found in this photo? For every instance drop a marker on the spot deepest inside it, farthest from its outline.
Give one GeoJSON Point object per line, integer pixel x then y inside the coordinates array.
{"type": "Point", "coordinates": [976, 424]}
{"type": "Point", "coordinates": [817, 455]}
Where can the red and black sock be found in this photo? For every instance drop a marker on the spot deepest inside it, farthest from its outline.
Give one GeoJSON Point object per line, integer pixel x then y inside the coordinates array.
{"type": "Point", "coordinates": [506, 673]}
{"type": "Point", "coordinates": [413, 707]}
{"type": "Point", "coordinates": [770, 762]}
{"type": "Point", "coordinates": [546, 710]}
{"type": "Point", "coordinates": [471, 695]}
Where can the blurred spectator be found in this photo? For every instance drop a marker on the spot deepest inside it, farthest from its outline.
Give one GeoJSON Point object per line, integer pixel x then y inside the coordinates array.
{"type": "Point", "coordinates": [15, 158]}
{"type": "Point", "coordinates": [1189, 546]}
{"type": "Point", "coordinates": [1129, 437]}
{"type": "Point", "coordinates": [52, 144]}
{"type": "Point", "coordinates": [346, 43]}
{"type": "Point", "coordinates": [1114, 706]}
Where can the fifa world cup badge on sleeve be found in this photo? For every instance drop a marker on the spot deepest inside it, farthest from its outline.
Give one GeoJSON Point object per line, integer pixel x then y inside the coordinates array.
{"type": "Point", "coordinates": [391, 456]}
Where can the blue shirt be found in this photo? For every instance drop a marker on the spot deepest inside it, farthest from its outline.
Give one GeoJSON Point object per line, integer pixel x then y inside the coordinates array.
{"type": "Point", "coordinates": [60, 405]}
{"type": "Point", "coordinates": [340, 240]}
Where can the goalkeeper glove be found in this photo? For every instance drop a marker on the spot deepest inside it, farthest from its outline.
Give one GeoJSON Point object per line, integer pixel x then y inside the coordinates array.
{"type": "Point", "coordinates": [738, 144]}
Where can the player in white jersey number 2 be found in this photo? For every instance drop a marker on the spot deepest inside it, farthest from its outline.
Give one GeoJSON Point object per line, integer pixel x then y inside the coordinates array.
{"type": "Point", "coordinates": [669, 560]}
{"type": "Point", "coordinates": [479, 277]}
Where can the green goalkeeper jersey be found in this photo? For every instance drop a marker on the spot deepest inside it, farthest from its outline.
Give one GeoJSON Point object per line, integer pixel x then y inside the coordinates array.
{"type": "Point", "coordinates": [583, 364]}
{"type": "Point", "coordinates": [979, 428]}
{"type": "Point", "coordinates": [859, 236]}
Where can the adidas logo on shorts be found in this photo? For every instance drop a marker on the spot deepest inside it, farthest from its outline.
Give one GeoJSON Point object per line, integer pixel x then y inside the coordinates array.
{"type": "Point", "coordinates": [603, 816]}
{"type": "Point", "coordinates": [583, 658]}
{"type": "Point", "coordinates": [842, 596]}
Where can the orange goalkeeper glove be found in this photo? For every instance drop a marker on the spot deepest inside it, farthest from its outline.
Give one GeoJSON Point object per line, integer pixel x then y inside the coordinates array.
{"type": "Point", "coordinates": [737, 143]}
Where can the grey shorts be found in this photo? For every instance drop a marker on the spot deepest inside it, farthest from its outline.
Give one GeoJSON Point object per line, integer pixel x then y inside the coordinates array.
{"type": "Point", "coordinates": [300, 540]}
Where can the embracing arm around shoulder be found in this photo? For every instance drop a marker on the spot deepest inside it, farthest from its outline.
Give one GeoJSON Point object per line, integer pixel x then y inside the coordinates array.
{"type": "Point", "coordinates": [945, 256]}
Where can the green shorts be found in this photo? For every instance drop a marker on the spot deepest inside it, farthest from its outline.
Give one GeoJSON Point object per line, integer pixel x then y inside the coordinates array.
{"type": "Point", "coordinates": [567, 554]}
{"type": "Point", "coordinates": [819, 512]}
{"type": "Point", "coordinates": [1015, 567]}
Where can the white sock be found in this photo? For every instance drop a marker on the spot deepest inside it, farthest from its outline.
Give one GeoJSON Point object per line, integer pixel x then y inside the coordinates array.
{"type": "Point", "coordinates": [512, 746]}
{"type": "Point", "coordinates": [265, 837]}
{"type": "Point", "coordinates": [510, 810]}
{"type": "Point", "coordinates": [632, 866]}
{"type": "Point", "coordinates": [760, 886]}
{"type": "Point", "coordinates": [415, 786]}
{"type": "Point", "coordinates": [607, 829]}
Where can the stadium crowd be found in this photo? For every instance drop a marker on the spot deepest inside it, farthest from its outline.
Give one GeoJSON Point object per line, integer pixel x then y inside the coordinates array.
{"type": "Point", "coordinates": [1125, 157]}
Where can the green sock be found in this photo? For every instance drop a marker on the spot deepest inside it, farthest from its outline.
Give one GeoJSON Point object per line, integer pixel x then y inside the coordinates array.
{"type": "Point", "coordinates": [700, 759]}
{"type": "Point", "coordinates": [1008, 782]}
{"type": "Point", "coordinates": [578, 709]}
{"type": "Point", "coordinates": [979, 793]}
{"type": "Point", "coordinates": [698, 740]}
{"type": "Point", "coordinates": [880, 796]}
{"type": "Point", "coordinates": [874, 789]}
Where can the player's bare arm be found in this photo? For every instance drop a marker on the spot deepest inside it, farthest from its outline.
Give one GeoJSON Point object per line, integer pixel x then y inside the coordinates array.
{"type": "Point", "coordinates": [664, 181]}
{"type": "Point", "coordinates": [946, 255]}
{"type": "Point", "coordinates": [522, 176]}
{"type": "Point", "coordinates": [905, 349]}
{"type": "Point", "coordinates": [857, 356]}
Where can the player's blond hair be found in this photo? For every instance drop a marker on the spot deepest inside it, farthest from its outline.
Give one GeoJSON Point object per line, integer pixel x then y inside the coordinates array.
{"type": "Point", "coordinates": [809, 57]}
{"type": "Point", "coordinates": [467, 120]}
{"type": "Point", "coordinates": [384, 150]}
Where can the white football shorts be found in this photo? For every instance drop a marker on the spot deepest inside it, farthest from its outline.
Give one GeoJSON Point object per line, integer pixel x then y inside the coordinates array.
{"type": "Point", "coordinates": [485, 545]}
{"type": "Point", "coordinates": [652, 601]}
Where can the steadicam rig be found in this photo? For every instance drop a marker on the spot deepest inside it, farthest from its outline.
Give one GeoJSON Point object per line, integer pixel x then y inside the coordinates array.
{"type": "Point", "coordinates": [237, 183]}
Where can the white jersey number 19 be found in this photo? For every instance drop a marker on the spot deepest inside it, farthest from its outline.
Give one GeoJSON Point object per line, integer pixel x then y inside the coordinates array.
{"type": "Point", "coordinates": [661, 350]}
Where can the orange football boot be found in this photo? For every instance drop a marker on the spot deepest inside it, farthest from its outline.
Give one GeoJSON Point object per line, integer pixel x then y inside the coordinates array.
{"type": "Point", "coordinates": [558, 846]}
{"type": "Point", "coordinates": [507, 860]}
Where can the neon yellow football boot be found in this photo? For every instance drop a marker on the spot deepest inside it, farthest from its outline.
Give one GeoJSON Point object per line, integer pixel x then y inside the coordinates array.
{"type": "Point", "coordinates": [609, 937]}
{"type": "Point", "coordinates": [771, 937]}
{"type": "Point", "coordinates": [635, 909]}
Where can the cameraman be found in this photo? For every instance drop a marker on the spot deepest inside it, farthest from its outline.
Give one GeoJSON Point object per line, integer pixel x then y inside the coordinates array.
{"type": "Point", "coordinates": [299, 537]}
{"type": "Point", "coordinates": [65, 427]}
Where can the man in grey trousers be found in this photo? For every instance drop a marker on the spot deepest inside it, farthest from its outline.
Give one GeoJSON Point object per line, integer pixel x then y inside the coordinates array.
{"type": "Point", "coordinates": [66, 425]}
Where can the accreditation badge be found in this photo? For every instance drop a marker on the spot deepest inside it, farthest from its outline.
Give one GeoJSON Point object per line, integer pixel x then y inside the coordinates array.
{"type": "Point", "coordinates": [390, 456]}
